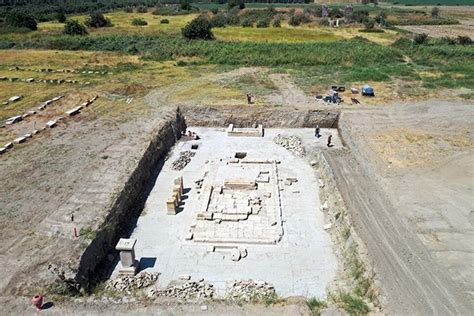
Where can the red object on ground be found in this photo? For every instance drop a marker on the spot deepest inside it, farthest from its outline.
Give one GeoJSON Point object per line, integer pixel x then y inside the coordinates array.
{"type": "Point", "coordinates": [37, 301]}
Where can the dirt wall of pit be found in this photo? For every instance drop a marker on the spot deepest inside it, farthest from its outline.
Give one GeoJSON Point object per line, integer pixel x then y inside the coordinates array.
{"type": "Point", "coordinates": [129, 202]}
{"type": "Point", "coordinates": [253, 115]}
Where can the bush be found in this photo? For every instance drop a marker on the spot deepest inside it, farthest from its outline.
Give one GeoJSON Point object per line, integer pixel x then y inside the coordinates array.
{"type": "Point", "coordinates": [369, 24]}
{"type": "Point", "coordinates": [18, 19]}
{"type": "Point", "coordinates": [214, 11]}
{"type": "Point", "coordinates": [97, 20]}
{"type": "Point", "coordinates": [420, 39]}
{"type": "Point", "coordinates": [61, 18]}
{"type": "Point", "coordinates": [199, 28]}
{"type": "Point", "coordinates": [219, 20]}
{"type": "Point", "coordinates": [247, 23]}
{"type": "Point", "coordinates": [165, 21]}
{"type": "Point", "coordinates": [295, 20]}
{"type": "Point", "coordinates": [139, 22]}
{"type": "Point", "coordinates": [185, 5]}
{"type": "Point", "coordinates": [73, 27]}
{"type": "Point", "coordinates": [448, 40]}
{"type": "Point", "coordinates": [277, 21]}
{"type": "Point", "coordinates": [464, 40]}
{"type": "Point", "coordinates": [263, 23]}
{"type": "Point", "coordinates": [128, 10]}
{"type": "Point", "coordinates": [360, 16]}
{"type": "Point", "coordinates": [233, 18]}
{"type": "Point", "coordinates": [142, 9]}
{"type": "Point", "coordinates": [236, 3]}
{"type": "Point", "coordinates": [435, 12]}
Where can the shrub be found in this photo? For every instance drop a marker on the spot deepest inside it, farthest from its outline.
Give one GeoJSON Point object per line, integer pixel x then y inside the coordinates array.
{"type": "Point", "coordinates": [247, 23]}
{"type": "Point", "coordinates": [263, 23]}
{"type": "Point", "coordinates": [199, 28]}
{"type": "Point", "coordinates": [233, 18]}
{"type": "Point", "coordinates": [448, 40]}
{"type": "Point", "coordinates": [369, 24]}
{"type": "Point", "coordinates": [142, 9]}
{"type": "Point", "coordinates": [420, 39]}
{"type": "Point", "coordinates": [277, 21]}
{"type": "Point", "coordinates": [464, 40]}
{"type": "Point", "coordinates": [128, 10]}
{"type": "Point", "coordinates": [295, 20]}
{"type": "Point", "coordinates": [336, 14]}
{"type": "Point", "coordinates": [18, 19]}
{"type": "Point", "coordinates": [60, 17]}
{"type": "Point", "coordinates": [214, 11]}
{"type": "Point", "coordinates": [185, 5]}
{"type": "Point", "coordinates": [97, 20]}
{"type": "Point", "coordinates": [353, 304]}
{"type": "Point", "coordinates": [360, 16]}
{"type": "Point", "coordinates": [236, 3]}
{"type": "Point", "coordinates": [73, 27]}
{"type": "Point", "coordinates": [165, 21]}
{"type": "Point", "coordinates": [219, 20]}
{"type": "Point", "coordinates": [139, 22]}
{"type": "Point", "coordinates": [435, 12]}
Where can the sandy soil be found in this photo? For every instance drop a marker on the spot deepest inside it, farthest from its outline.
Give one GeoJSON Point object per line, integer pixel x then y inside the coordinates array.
{"type": "Point", "coordinates": [416, 219]}
{"type": "Point", "coordinates": [466, 28]}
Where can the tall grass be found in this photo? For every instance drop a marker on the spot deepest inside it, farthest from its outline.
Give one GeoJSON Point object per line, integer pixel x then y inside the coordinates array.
{"type": "Point", "coordinates": [347, 53]}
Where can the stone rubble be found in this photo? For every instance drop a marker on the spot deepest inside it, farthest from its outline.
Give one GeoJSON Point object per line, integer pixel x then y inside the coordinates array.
{"type": "Point", "coordinates": [291, 143]}
{"type": "Point", "coordinates": [128, 283]}
{"type": "Point", "coordinates": [250, 291]}
{"type": "Point", "coordinates": [186, 290]}
{"type": "Point", "coordinates": [183, 159]}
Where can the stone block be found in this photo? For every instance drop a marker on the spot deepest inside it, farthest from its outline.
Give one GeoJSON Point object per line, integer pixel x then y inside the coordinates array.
{"type": "Point", "coordinates": [171, 207]}
{"type": "Point", "coordinates": [20, 140]}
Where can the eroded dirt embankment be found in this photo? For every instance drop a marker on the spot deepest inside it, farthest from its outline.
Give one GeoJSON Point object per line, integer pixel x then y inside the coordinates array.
{"type": "Point", "coordinates": [130, 200]}
{"type": "Point", "coordinates": [251, 116]}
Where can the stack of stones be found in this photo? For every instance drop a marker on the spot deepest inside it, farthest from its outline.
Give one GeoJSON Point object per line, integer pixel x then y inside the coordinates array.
{"type": "Point", "coordinates": [250, 291]}
{"type": "Point", "coordinates": [183, 159]}
{"type": "Point", "coordinates": [186, 290]}
{"type": "Point", "coordinates": [128, 283]}
{"type": "Point", "coordinates": [290, 143]}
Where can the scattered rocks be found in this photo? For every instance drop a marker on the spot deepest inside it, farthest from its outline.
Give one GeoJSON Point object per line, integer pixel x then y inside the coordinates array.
{"type": "Point", "coordinates": [291, 143]}
{"type": "Point", "coordinates": [186, 290]}
{"type": "Point", "coordinates": [250, 291]}
{"type": "Point", "coordinates": [128, 283]}
{"type": "Point", "coordinates": [183, 159]}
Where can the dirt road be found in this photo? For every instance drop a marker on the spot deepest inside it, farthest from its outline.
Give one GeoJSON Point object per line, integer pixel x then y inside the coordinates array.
{"type": "Point", "coordinates": [414, 278]}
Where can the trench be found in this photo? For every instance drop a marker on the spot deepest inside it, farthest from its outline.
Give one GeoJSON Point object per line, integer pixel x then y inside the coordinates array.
{"type": "Point", "coordinates": [95, 265]}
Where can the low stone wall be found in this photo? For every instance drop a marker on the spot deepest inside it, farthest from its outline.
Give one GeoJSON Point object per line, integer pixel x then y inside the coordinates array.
{"type": "Point", "coordinates": [277, 117]}
{"type": "Point", "coordinates": [129, 201]}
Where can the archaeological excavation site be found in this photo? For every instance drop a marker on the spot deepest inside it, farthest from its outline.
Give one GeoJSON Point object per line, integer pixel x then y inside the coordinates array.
{"type": "Point", "coordinates": [236, 158]}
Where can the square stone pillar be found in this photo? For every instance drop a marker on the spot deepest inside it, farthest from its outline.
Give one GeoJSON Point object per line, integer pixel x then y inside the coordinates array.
{"type": "Point", "coordinates": [179, 181]}
{"type": "Point", "coordinates": [128, 264]}
{"type": "Point", "coordinates": [171, 206]}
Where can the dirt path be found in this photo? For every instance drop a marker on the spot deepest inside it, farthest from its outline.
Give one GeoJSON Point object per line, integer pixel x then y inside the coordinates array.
{"type": "Point", "coordinates": [289, 94]}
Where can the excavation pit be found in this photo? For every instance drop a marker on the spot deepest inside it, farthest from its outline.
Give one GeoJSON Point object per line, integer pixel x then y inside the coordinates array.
{"type": "Point", "coordinates": [245, 203]}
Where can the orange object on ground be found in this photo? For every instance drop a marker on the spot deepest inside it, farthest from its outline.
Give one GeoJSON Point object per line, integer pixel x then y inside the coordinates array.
{"type": "Point", "coordinates": [37, 301]}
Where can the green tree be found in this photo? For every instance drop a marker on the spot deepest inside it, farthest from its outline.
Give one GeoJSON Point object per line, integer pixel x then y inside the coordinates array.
{"type": "Point", "coordinates": [61, 17]}
{"type": "Point", "coordinates": [236, 3]}
{"type": "Point", "coordinates": [97, 20]}
{"type": "Point", "coordinates": [18, 19]}
{"type": "Point", "coordinates": [139, 22]}
{"type": "Point", "coordinates": [199, 28]}
{"type": "Point", "coordinates": [73, 27]}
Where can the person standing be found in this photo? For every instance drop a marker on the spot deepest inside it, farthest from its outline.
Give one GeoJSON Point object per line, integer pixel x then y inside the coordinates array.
{"type": "Point", "coordinates": [330, 141]}
{"type": "Point", "coordinates": [316, 132]}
